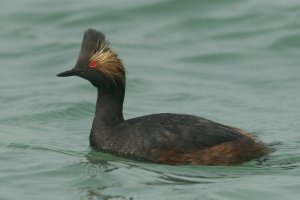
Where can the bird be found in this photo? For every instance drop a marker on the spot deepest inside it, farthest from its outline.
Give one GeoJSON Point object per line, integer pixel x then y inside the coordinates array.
{"type": "Point", "coordinates": [163, 138]}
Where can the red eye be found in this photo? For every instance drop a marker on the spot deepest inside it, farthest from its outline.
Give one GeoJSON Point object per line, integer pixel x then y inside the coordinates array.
{"type": "Point", "coordinates": [93, 64]}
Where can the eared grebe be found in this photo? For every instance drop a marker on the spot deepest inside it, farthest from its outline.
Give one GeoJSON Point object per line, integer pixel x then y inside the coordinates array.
{"type": "Point", "coordinates": [161, 138]}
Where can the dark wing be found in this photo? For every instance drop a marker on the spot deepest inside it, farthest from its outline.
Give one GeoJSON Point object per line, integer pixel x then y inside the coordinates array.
{"type": "Point", "coordinates": [184, 132]}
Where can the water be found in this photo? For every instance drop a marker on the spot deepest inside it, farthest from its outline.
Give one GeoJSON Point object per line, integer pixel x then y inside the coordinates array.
{"type": "Point", "coordinates": [235, 62]}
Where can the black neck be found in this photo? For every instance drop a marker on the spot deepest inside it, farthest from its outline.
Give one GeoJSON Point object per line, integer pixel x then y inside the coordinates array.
{"type": "Point", "coordinates": [109, 108]}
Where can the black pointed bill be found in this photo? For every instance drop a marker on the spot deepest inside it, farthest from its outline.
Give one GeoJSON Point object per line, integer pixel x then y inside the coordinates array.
{"type": "Point", "coordinates": [72, 72]}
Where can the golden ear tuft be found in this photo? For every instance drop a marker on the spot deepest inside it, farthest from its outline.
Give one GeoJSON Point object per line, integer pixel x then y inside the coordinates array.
{"type": "Point", "coordinates": [109, 63]}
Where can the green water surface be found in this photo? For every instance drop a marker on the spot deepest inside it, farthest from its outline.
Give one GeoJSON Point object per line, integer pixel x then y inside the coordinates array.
{"type": "Point", "coordinates": [235, 61]}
